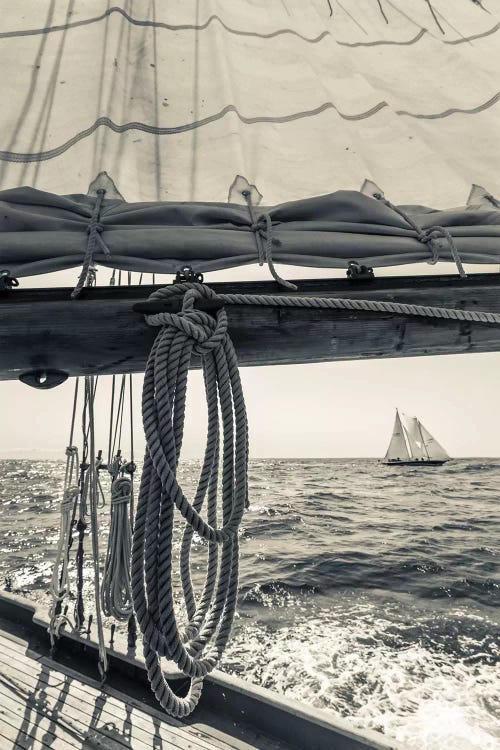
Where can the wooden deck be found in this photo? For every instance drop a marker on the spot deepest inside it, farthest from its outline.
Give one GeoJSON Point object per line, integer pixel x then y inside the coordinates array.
{"type": "Point", "coordinates": [55, 701]}
{"type": "Point", "coordinates": [46, 705]}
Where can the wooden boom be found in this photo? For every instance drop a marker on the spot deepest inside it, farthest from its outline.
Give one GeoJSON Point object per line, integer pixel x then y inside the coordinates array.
{"type": "Point", "coordinates": [100, 333]}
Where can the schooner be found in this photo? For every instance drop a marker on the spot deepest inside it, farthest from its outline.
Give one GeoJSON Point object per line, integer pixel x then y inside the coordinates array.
{"type": "Point", "coordinates": [412, 444]}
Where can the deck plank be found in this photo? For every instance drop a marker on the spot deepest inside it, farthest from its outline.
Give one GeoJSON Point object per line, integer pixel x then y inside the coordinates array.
{"type": "Point", "coordinates": [99, 710]}
{"type": "Point", "coordinates": [29, 672]}
{"type": "Point", "coordinates": [117, 702]}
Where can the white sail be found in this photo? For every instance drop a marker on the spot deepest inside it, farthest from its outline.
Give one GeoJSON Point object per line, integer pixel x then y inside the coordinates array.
{"type": "Point", "coordinates": [175, 99]}
{"type": "Point", "coordinates": [435, 451]}
{"type": "Point", "coordinates": [414, 436]}
{"type": "Point", "coordinates": [397, 450]}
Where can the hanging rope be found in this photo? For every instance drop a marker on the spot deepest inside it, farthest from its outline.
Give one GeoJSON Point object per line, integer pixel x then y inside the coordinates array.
{"type": "Point", "coordinates": [93, 501]}
{"type": "Point", "coordinates": [197, 649]}
{"type": "Point", "coordinates": [60, 583]}
{"type": "Point", "coordinates": [116, 595]}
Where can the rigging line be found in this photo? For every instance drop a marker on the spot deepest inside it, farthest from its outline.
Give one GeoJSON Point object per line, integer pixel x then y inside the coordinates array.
{"type": "Point", "coordinates": [118, 419]}
{"type": "Point", "coordinates": [382, 11]}
{"type": "Point", "coordinates": [100, 139]}
{"type": "Point", "coordinates": [113, 384]}
{"type": "Point", "coordinates": [46, 113]}
{"type": "Point", "coordinates": [352, 18]}
{"type": "Point", "coordinates": [21, 120]}
{"type": "Point", "coordinates": [72, 428]}
{"type": "Point", "coordinates": [90, 387]}
{"type": "Point", "coordinates": [457, 31]}
{"type": "Point", "coordinates": [131, 409]}
{"type": "Point", "coordinates": [473, 37]}
{"type": "Point", "coordinates": [422, 437]}
{"type": "Point", "coordinates": [411, 20]}
{"type": "Point", "coordinates": [429, 5]}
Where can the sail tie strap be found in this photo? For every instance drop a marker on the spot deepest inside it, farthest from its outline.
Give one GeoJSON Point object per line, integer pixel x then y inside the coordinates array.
{"type": "Point", "coordinates": [197, 649]}
{"type": "Point", "coordinates": [263, 230]}
{"type": "Point", "coordinates": [262, 227]}
{"type": "Point", "coordinates": [116, 594]}
{"type": "Point", "coordinates": [427, 236]}
{"type": "Point", "coordinates": [94, 231]}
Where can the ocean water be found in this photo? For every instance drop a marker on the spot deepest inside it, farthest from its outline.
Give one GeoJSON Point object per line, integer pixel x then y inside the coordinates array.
{"type": "Point", "coordinates": [366, 590]}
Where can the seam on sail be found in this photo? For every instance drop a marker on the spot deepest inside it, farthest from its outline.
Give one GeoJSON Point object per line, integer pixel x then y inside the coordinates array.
{"type": "Point", "coordinates": [383, 42]}
{"type": "Point", "coordinates": [175, 130]}
{"type": "Point", "coordinates": [160, 25]}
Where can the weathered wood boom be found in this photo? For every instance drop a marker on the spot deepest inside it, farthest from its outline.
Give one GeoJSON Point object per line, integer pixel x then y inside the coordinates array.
{"type": "Point", "coordinates": [100, 333]}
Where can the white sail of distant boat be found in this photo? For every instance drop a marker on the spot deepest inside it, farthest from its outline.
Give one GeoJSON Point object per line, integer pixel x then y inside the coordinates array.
{"type": "Point", "coordinates": [412, 443]}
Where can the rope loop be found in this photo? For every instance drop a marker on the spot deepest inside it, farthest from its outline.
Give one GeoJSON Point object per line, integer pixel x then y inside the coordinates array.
{"type": "Point", "coordinates": [196, 648]}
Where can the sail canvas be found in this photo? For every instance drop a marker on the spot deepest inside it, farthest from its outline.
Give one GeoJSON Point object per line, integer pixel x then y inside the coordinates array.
{"type": "Point", "coordinates": [173, 100]}
{"type": "Point", "coordinates": [398, 449]}
{"type": "Point", "coordinates": [434, 449]}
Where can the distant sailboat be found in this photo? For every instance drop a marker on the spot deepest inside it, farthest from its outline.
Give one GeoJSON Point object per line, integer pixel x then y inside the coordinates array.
{"type": "Point", "coordinates": [412, 444]}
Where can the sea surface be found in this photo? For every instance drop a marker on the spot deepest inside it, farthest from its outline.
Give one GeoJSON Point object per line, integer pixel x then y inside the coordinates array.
{"type": "Point", "coordinates": [367, 590]}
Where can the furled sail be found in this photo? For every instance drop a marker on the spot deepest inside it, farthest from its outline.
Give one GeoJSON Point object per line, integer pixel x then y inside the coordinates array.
{"type": "Point", "coordinates": [174, 100]}
{"type": "Point", "coordinates": [398, 449]}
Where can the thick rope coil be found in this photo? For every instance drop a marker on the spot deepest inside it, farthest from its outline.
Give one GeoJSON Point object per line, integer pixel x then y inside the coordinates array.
{"type": "Point", "coordinates": [427, 236]}
{"type": "Point", "coordinates": [197, 649]}
{"type": "Point", "coordinates": [116, 594]}
{"type": "Point", "coordinates": [94, 231]}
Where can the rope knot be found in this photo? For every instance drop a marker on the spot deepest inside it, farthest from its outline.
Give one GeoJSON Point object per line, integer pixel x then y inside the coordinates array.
{"type": "Point", "coordinates": [121, 491]}
{"type": "Point", "coordinates": [436, 232]}
{"type": "Point", "coordinates": [206, 332]}
{"type": "Point", "coordinates": [95, 227]}
{"type": "Point", "coordinates": [263, 230]}
{"type": "Point", "coordinates": [427, 236]}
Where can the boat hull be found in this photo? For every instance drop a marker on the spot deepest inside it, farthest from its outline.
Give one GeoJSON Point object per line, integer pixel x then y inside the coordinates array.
{"type": "Point", "coordinates": [426, 462]}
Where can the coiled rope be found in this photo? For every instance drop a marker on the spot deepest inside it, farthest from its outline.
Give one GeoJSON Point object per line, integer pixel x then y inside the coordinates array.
{"type": "Point", "coordinates": [197, 648]}
{"type": "Point", "coordinates": [116, 594]}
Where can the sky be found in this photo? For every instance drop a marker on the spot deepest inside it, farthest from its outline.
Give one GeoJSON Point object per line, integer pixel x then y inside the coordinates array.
{"type": "Point", "coordinates": [338, 409]}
